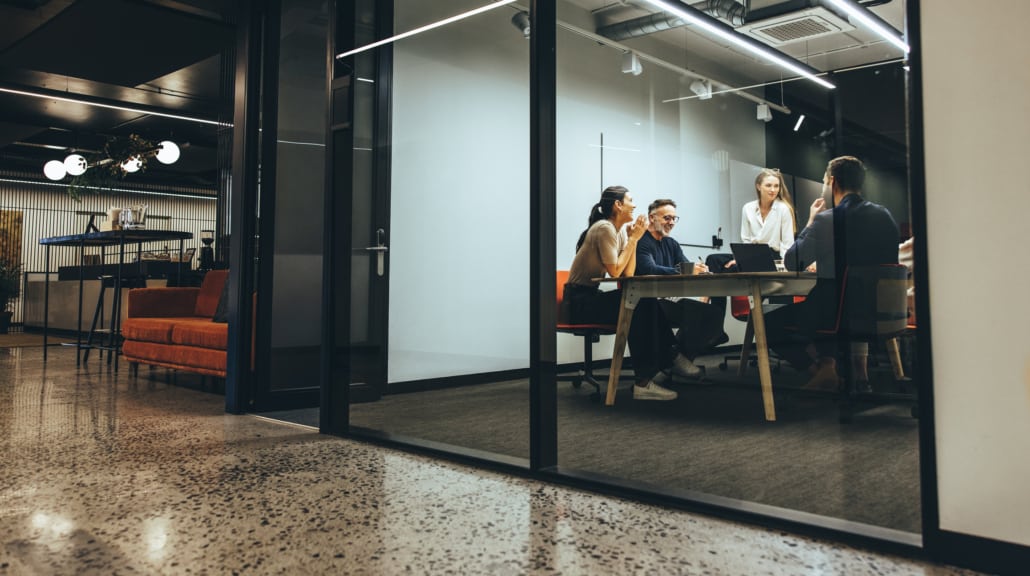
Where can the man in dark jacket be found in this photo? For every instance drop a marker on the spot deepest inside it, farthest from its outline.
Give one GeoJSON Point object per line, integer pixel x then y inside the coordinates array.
{"type": "Point", "coordinates": [699, 323]}
{"type": "Point", "coordinates": [844, 230]}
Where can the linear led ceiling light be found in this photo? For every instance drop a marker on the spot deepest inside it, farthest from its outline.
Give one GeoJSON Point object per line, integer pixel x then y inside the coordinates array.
{"type": "Point", "coordinates": [870, 21]}
{"type": "Point", "coordinates": [699, 19]}
{"type": "Point", "coordinates": [48, 95]}
{"type": "Point", "coordinates": [800, 120]}
{"type": "Point", "coordinates": [425, 28]}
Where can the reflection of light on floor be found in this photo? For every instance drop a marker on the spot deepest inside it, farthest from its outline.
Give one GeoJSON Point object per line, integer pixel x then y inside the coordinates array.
{"type": "Point", "coordinates": [53, 526]}
{"type": "Point", "coordinates": [155, 537]}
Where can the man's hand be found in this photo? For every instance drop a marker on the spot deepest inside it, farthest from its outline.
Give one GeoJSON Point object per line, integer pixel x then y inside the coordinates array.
{"type": "Point", "coordinates": [700, 268]}
{"type": "Point", "coordinates": [818, 206]}
{"type": "Point", "coordinates": [730, 264]}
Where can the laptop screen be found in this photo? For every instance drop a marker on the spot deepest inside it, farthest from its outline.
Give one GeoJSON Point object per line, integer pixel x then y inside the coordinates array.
{"type": "Point", "coordinates": [753, 257]}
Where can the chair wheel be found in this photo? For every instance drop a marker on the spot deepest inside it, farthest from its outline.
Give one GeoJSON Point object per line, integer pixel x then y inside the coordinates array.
{"type": "Point", "coordinates": [577, 384]}
{"type": "Point", "coordinates": [914, 411]}
{"type": "Point", "coordinates": [723, 366]}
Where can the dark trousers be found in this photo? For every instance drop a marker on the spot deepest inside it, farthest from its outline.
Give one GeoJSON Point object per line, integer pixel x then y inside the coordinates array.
{"type": "Point", "coordinates": [699, 324]}
{"type": "Point", "coordinates": [790, 329]}
{"type": "Point", "coordinates": [651, 343]}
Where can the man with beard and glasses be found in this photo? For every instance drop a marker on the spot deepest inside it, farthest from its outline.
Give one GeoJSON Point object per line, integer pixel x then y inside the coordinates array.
{"type": "Point", "coordinates": [844, 230]}
{"type": "Point", "coordinates": [699, 323]}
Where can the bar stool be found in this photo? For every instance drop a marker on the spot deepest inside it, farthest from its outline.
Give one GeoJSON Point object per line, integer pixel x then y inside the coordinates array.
{"type": "Point", "coordinates": [108, 281]}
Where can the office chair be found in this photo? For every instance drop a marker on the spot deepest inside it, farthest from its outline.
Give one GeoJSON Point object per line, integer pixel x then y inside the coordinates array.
{"type": "Point", "coordinates": [589, 332]}
{"type": "Point", "coordinates": [873, 308]}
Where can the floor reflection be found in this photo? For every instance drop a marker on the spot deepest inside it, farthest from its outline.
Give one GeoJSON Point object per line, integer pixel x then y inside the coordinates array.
{"type": "Point", "coordinates": [102, 473]}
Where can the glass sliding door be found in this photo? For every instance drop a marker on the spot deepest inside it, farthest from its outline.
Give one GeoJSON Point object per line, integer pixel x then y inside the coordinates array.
{"type": "Point", "coordinates": [437, 248]}
{"type": "Point", "coordinates": [673, 113]}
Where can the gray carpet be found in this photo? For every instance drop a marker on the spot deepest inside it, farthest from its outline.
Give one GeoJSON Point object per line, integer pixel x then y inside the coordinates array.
{"type": "Point", "coordinates": [713, 439]}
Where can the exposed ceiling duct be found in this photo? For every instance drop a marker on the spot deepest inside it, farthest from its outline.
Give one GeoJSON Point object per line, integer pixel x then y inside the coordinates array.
{"type": "Point", "coordinates": [727, 10]}
{"type": "Point", "coordinates": [775, 23]}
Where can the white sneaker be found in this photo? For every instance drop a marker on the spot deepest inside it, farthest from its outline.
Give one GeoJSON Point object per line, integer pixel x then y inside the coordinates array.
{"type": "Point", "coordinates": [684, 368]}
{"type": "Point", "coordinates": [652, 392]}
{"type": "Point", "coordinates": [661, 377]}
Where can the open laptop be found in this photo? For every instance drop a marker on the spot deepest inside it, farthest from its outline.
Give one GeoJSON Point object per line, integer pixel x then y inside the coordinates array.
{"type": "Point", "coordinates": [753, 257]}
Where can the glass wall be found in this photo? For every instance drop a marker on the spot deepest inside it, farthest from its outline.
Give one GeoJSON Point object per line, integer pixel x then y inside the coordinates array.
{"type": "Point", "coordinates": [662, 110]}
{"type": "Point", "coordinates": [434, 147]}
{"type": "Point", "coordinates": [445, 185]}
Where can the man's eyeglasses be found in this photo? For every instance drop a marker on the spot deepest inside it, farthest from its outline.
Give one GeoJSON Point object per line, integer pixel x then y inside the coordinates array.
{"type": "Point", "coordinates": [671, 219]}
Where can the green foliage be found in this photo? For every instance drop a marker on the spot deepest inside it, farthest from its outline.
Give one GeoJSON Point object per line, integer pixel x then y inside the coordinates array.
{"type": "Point", "coordinates": [10, 281]}
{"type": "Point", "coordinates": [106, 170]}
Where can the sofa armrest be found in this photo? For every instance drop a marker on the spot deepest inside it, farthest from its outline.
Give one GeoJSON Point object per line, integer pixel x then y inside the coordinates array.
{"type": "Point", "coordinates": [162, 302]}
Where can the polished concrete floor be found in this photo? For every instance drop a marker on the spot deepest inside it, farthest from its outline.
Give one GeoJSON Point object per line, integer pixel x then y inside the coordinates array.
{"type": "Point", "coordinates": [104, 474]}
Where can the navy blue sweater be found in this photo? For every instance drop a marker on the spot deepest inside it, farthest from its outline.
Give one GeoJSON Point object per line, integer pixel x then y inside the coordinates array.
{"type": "Point", "coordinates": [654, 257]}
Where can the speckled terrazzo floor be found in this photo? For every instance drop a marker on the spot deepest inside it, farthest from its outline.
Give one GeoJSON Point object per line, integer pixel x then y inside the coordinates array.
{"type": "Point", "coordinates": [103, 475]}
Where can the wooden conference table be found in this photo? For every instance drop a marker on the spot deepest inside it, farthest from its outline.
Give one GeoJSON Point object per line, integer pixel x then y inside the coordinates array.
{"type": "Point", "coordinates": [757, 285]}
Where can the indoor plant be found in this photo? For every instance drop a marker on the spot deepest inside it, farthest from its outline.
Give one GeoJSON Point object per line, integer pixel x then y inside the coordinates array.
{"type": "Point", "coordinates": [10, 288]}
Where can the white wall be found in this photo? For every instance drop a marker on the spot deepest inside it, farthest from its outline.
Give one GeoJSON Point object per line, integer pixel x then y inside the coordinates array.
{"type": "Point", "coordinates": [460, 196]}
{"type": "Point", "coordinates": [460, 204]}
{"type": "Point", "coordinates": [977, 117]}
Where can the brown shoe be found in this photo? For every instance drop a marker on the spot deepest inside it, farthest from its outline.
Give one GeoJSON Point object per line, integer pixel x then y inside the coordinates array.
{"type": "Point", "coordinates": [824, 376]}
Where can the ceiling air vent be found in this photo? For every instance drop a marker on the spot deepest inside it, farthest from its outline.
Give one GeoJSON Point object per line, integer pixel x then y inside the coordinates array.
{"type": "Point", "coordinates": [796, 26]}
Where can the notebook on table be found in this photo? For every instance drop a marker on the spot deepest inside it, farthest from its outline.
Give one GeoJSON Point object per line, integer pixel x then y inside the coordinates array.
{"type": "Point", "coordinates": [753, 257]}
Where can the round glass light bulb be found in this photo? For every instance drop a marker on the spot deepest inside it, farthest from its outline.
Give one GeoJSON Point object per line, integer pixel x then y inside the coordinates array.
{"type": "Point", "coordinates": [132, 164]}
{"type": "Point", "coordinates": [75, 164]}
{"type": "Point", "coordinates": [54, 170]}
{"type": "Point", "coordinates": [167, 152]}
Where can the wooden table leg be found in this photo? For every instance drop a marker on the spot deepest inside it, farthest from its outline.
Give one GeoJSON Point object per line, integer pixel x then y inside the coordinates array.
{"type": "Point", "coordinates": [745, 347]}
{"type": "Point", "coordinates": [895, 355]}
{"type": "Point", "coordinates": [762, 345]}
{"type": "Point", "coordinates": [621, 333]}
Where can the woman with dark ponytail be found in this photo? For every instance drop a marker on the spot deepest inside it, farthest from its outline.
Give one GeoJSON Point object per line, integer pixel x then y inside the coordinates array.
{"type": "Point", "coordinates": [608, 247]}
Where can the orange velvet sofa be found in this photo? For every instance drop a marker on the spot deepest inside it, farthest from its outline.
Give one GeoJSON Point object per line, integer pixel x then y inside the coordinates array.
{"type": "Point", "coordinates": [173, 327]}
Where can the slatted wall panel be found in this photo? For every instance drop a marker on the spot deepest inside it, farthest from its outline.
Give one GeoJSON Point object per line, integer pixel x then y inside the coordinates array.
{"type": "Point", "coordinates": [47, 210]}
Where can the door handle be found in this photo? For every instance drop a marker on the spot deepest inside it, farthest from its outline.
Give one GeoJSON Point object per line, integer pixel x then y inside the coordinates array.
{"type": "Point", "coordinates": [380, 249]}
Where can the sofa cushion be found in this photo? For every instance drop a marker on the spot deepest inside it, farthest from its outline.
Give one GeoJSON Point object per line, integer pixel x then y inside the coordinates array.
{"type": "Point", "coordinates": [149, 329]}
{"type": "Point", "coordinates": [210, 293]}
{"type": "Point", "coordinates": [222, 311]}
{"type": "Point", "coordinates": [200, 332]}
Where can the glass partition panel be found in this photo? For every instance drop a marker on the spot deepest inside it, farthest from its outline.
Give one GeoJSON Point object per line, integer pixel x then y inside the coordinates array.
{"type": "Point", "coordinates": [738, 387]}
{"type": "Point", "coordinates": [296, 226]}
{"type": "Point", "coordinates": [456, 256]}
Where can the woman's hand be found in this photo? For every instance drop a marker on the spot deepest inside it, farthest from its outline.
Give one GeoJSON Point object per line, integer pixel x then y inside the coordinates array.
{"type": "Point", "coordinates": [637, 228]}
{"type": "Point", "coordinates": [730, 264]}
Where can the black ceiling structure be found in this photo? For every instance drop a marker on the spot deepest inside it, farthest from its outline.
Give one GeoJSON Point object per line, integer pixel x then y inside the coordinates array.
{"type": "Point", "coordinates": [83, 58]}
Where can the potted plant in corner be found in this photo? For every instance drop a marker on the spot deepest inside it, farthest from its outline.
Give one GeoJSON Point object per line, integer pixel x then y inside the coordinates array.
{"type": "Point", "coordinates": [10, 288]}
